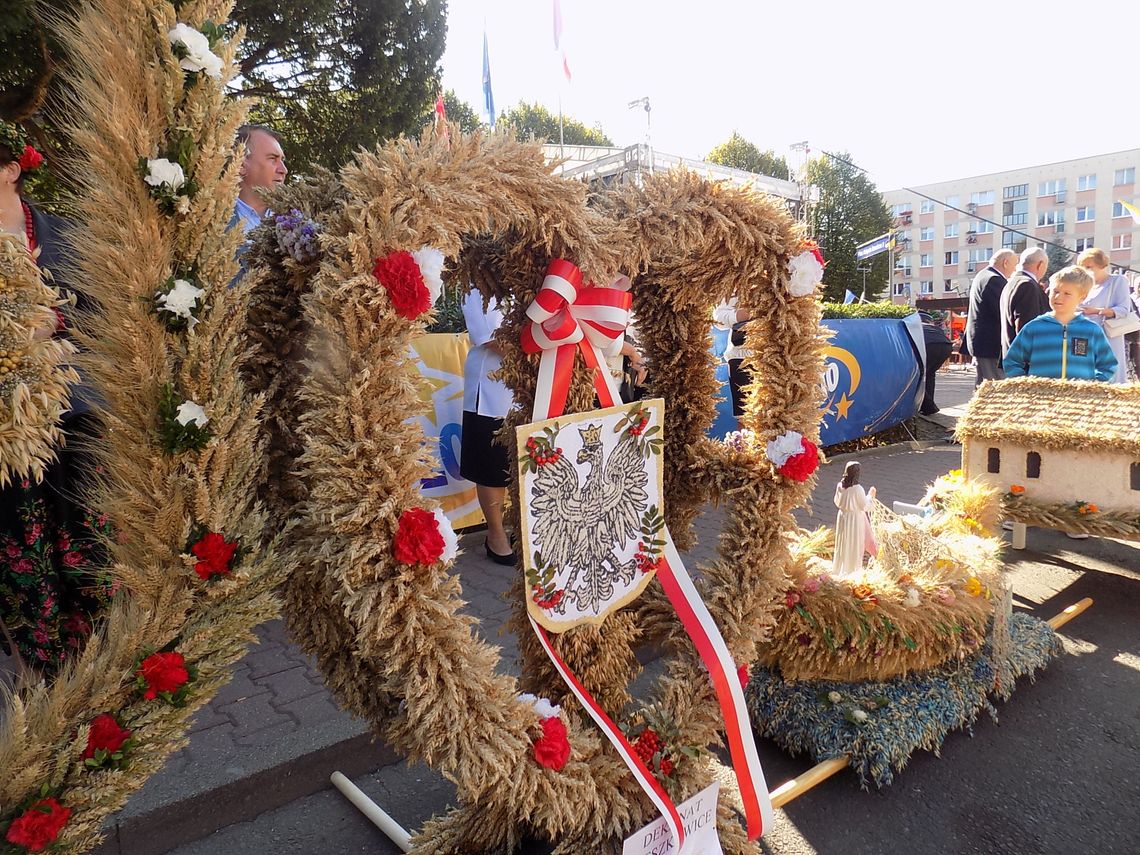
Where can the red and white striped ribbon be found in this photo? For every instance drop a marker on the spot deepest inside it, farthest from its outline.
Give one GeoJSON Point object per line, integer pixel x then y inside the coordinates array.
{"type": "Point", "coordinates": [567, 316]}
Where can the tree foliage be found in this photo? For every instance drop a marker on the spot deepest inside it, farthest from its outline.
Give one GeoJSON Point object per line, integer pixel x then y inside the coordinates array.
{"type": "Point", "coordinates": [1059, 257]}
{"type": "Point", "coordinates": [739, 153]}
{"type": "Point", "coordinates": [330, 75]}
{"type": "Point", "coordinates": [850, 211]}
{"type": "Point", "coordinates": [533, 121]}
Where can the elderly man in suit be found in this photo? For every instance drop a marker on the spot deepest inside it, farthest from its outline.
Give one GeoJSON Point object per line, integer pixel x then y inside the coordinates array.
{"type": "Point", "coordinates": [983, 321]}
{"type": "Point", "coordinates": [1024, 297]}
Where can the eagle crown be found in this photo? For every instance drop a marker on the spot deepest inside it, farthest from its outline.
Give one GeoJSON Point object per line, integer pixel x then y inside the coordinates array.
{"type": "Point", "coordinates": [591, 436]}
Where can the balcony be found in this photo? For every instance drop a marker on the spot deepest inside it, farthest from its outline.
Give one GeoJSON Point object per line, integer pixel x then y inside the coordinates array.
{"type": "Point", "coordinates": [972, 207]}
{"type": "Point", "coordinates": [971, 237]}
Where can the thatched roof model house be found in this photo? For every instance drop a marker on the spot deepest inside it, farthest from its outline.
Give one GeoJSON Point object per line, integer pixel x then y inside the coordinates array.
{"type": "Point", "coordinates": [1063, 441]}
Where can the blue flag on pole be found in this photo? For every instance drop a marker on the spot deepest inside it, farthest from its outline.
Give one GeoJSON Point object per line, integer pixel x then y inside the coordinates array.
{"type": "Point", "coordinates": [849, 297]}
{"type": "Point", "coordinates": [488, 98]}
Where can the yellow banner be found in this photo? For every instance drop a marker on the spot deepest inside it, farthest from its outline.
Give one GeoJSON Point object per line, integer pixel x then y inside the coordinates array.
{"type": "Point", "coordinates": [439, 358]}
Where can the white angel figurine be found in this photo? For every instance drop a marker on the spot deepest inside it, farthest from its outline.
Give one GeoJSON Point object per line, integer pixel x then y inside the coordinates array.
{"type": "Point", "coordinates": [853, 535]}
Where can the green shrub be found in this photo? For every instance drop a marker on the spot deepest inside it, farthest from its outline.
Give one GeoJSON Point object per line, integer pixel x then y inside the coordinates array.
{"type": "Point", "coordinates": [840, 311]}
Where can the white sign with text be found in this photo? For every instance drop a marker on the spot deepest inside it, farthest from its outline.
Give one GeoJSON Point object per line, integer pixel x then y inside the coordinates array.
{"type": "Point", "coordinates": [698, 817]}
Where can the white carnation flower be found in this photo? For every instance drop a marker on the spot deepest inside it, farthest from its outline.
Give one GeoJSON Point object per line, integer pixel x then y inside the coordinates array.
{"type": "Point", "coordinates": [542, 706]}
{"type": "Point", "coordinates": [804, 273]}
{"type": "Point", "coordinates": [191, 413]}
{"type": "Point", "coordinates": [912, 600]}
{"type": "Point", "coordinates": [450, 540]}
{"type": "Point", "coordinates": [162, 172]}
{"type": "Point", "coordinates": [784, 446]}
{"type": "Point", "coordinates": [198, 57]}
{"type": "Point", "coordinates": [181, 300]}
{"type": "Point", "coordinates": [834, 697]}
{"type": "Point", "coordinates": [431, 261]}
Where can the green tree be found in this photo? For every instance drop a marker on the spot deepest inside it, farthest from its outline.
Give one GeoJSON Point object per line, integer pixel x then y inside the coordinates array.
{"type": "Point", "coordinates": [457, 111]}
{"type": "Point", "coordinates": [850, 211]}
{"type": "Point", "coordinates": [331, 75]}
{"type": "Point", "coordinates": [739, 153]}
{"type": "Point", "coordinates": [533, 121]}
{"type": "Point", "coordinates": [1059, 256]}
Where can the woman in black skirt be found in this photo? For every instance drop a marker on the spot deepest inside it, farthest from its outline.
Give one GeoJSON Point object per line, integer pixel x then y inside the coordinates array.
{"type": "Point", "coordinates": [486, 402]}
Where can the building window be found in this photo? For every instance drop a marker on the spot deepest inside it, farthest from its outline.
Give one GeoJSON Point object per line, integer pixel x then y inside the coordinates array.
{"type": "Point", "coordinates": [926, 207]}
{"type": "Point", "coordinates": [1118, 210]}
{"type": "Point", "coordinates": [1124, 176]}
{"type": "Point", "coordinates": [926, 286]}
{"type": "Point", "coordinates": [1051, 218]}
{"type": "Point", "coordinates": [1084, 243]}
{"type": "Point", "coordinates": [1086, 214]}
{"type": "Point", "coordinates": [951, 230]}
{"type": "Point", "coordinates": [952, 201]}
{"type": "Point", "coordinates": [903, 263]}
{"type": "Point", "coordinates": [993, 460]}
{"type": "Point", "coordinates": [951, 257]}
{"type": "Point", "coordinates": [1015, 213]}
{"type": "Point", "coordinates": [1033, 465]}
{"type": "Point", "coordinates": [1134, 476]}
{"type": "Point", "coordinates": [926, 260]}
{"type": "Point", "coordinates": [1087, 182]}
{"type": "Point", "coordinates": [985, 227]}
{"type": "Point", "coordinates": [1013, 240]}
{"type": "Point", "coordinates": [1051, 188]}
{"type": "Point", "coordinates": [1123, 241]}
{"type": "Point", "coordinates": [982, 254]}
{"type": "Point", "coordinates": [986, 197]}
{"type": "Point", "coordinates": [947, 284]}
{"type": "Point", "coordinates": [899, 289]}
{"type": "Point", "coordinates": [1015, 191]}
{"type": "Point", "coordinates": [926, 234]}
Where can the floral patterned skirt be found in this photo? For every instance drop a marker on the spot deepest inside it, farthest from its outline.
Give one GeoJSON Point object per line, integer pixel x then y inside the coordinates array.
{"type": "Point", "coordinates": [53, 577]}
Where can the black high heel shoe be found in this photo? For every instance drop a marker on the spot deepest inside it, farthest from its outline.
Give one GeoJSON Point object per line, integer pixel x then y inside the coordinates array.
{"type": "Point", "coordinates": [508, 560]}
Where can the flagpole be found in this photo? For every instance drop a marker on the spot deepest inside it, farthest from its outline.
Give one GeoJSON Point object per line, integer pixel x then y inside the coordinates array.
{"type": "Point", "coordinates": [561, 136]}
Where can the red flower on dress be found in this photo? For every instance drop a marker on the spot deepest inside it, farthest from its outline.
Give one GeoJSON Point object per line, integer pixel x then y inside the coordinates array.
{"type": "Point", "coordinates": [402, 278]}
{"type": "Point", "coordinates": [73, 558]}
{"type": "Point", "coordinates": [418, 540]}
{"type": "Point", "coordinates": [552, 749]}
{"type": "Point", "coordinates": [105, 734]}
{"type": "Point", "coordinates": [30, 159]}
{"type": "Point", "coordinates": [163, 672]}
{"type": "Point", "coordinates": [38, 827]}
{"type": "Point", "coordinates": [799, 467]}
{"type": "Point", "coordinates": [214, 554]}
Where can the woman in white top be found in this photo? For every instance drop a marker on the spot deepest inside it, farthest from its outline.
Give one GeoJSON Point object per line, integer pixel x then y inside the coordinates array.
{"type": "Point", "coordinates": [485, 404]}
{"type": "Point", "coordinates": [1109, 298]}
{"type": "Point", "coordinates": [727, 316]}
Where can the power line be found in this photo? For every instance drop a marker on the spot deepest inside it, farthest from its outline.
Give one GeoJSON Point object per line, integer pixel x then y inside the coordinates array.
{"type": "Point", "coordinates": [1005, 228]}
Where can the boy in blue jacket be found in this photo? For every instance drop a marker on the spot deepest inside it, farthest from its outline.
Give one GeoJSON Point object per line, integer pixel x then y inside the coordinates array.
{"type": "Point", "coordinates": [1062, 343]}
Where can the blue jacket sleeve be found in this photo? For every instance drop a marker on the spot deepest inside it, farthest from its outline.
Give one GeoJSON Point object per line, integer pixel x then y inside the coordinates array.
{"type": "Point", "coordinates": [1105, 358]}
{"type": "Point", "coordinates": [1016, 362]}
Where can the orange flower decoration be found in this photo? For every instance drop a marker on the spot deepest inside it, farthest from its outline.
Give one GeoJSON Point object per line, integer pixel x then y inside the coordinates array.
{"type": "Point", "coordinates": [868, 605]}
{"type": "Point", "coordinates": [1093, 509]}
{"type": "Point", "coordinates": [861, 592]}
{"type": "Point", "coordinates": [905, 579]}
{"type": "Point", "coordinates": [974, 586]}
{"type": "Point", "coordinates": [1016, 489]}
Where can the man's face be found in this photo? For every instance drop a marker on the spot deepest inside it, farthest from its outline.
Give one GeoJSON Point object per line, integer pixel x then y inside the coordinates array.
{"type": "Point", "coordinates": [1038, 270]}
{"type": "Point", "coordinates": [1064, 297]}
{"type": "Point", "coordinates": [264, 164]}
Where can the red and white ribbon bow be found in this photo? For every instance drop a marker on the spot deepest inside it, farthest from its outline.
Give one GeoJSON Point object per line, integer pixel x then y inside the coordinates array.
{"type": "Point", "coordinates": [567, 316]}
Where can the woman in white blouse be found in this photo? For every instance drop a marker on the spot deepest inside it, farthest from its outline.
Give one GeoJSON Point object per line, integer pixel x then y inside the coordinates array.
{"type": "Point", "coordinates": [485, 404]}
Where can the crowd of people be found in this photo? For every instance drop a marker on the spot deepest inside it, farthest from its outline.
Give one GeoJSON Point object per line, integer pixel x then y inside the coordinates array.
{"type": "Point", "coordinates": [1073, 325]}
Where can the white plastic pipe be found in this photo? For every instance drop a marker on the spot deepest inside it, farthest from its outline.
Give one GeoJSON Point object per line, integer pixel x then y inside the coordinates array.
{"type": "Point", "coordinates": [373, 811]}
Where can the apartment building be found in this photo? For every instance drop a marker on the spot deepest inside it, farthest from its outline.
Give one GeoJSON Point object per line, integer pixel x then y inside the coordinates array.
{"type": "Point", "coordinates": [942, 241]}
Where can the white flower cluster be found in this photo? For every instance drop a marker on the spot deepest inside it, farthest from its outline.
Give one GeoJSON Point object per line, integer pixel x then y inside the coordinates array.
{"type": "Point", "coordinates": [804, 274]}
{"type": "Point", "coordinates": [542, 706]}
{"type": "Point", "coordinates": [181, 301]}
{"type": "Point", "coordinates": [784, 447]}
{"type": "Point", "coordinates": [193, 51]}
{"type": "Point", "coordinates": [168, 183]}
{"type": "Point", "coordinates": [450, 539]}
{"type": "Point", "coordinates": [430, 261]}
{"type": "Point", "coordinates": [190, 413]}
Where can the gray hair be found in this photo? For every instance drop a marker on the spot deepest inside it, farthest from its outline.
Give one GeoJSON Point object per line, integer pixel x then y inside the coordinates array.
{"type": "Point", "coordinates": [1033, 255]}
{"type": "Point", "coordinates": [1002, 255]}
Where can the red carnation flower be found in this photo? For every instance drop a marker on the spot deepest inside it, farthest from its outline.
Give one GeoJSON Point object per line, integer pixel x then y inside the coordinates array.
{"type": "Point", "coordinates": [163, 672]}
{"type": "Point", "coordinates": [418, 540]}
{"type": "Point", "coordinates": [106, 734]}
{"type": "Point", "coordinates": [400, 275]}
{"type": "Point", "coordinates": [813, 247]}
{"type": "Point", "coordinates": [214, 555]}
{"type": "Point", "coordinates": [38, 827]}
{"type": "Point", "coordinates": [799, 467]}
{"type": "Point", "coordinates": [30, 159]}
{"type": "Point", "coordinates": [552, 749]}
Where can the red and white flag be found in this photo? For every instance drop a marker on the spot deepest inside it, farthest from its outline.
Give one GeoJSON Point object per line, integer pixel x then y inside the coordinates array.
{"type": "Point", "coordinates": [559, 45]}
{"type": "Point", "coordinates": [441, 129]}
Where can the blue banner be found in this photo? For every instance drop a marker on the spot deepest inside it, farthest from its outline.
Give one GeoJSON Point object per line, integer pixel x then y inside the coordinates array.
{"type": "Point", "coordinates": [872, 378]}
{"type": "Point", "coordinates": [873, 247]}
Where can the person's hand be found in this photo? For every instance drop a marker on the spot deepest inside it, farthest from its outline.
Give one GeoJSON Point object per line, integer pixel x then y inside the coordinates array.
{"type": "Point", "coordinates": [640, 371]}
{"type": "Point", "coordinates": [871, 493]}
{"type": "Point", "coordinates": [1090, 310]}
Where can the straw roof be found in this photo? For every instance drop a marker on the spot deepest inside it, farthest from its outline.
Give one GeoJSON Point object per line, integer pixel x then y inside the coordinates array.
{"type": "Point", "coordinates": [1055, 414]}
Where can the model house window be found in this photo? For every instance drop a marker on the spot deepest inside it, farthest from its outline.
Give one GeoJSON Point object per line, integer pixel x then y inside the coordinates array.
{"type": "Point", "coordinates": [951, 257]}
{"type": "Point", "coordinates": [1134, 476]}
{"type": "Point", "coordinates": [1087, 182]}
{"type": "Point", "coordinates": [1086, 214]}
{"type": "Point", "coordinates": [926, 207]}
{"type": "Point", "coordinates": [1123, 241]}
{"type": "Point", "coordinates": [1124, 176]}
{"type": "Point", "coordinates": [1033, 465]}
{"type": "Point", "coordinates": [993, 460]}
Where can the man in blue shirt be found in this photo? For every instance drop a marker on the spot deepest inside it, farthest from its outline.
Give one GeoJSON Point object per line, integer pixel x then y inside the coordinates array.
{"type": "Point", "coordinates": [263, 168]}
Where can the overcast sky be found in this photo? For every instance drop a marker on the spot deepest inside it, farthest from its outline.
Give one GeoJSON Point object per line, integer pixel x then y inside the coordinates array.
{"type": "Point", "coordinates": [907, 88]}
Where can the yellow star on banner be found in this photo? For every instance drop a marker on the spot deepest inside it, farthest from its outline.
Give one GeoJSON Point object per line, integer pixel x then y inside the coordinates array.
{"type": "Point", "coordinates": [843, 406]}
{"type": "Point", "coordinates": [430, 385]}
